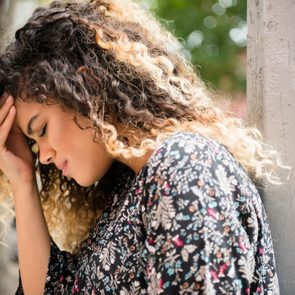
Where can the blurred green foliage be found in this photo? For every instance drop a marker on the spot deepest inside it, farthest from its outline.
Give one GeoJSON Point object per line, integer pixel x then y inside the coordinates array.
{"type": "Point", "coordinates": [214, 34]}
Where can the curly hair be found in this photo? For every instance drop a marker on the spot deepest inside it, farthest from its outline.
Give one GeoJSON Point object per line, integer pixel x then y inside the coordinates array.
{"type": "Point", "coordinates": [113, 63]}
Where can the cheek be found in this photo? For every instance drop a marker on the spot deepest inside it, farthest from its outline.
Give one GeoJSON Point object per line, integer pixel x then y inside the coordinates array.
{"type": "Point", "coordinates": [60, 139]}
{"type": "Point", "coordinates": [90, 165]}
{"type": "Point", "coordinates": [78, 147]}
{"type": "Point", "coordinates": [92, 156]}
{"type": "Point", "coordinates": [67, 137]}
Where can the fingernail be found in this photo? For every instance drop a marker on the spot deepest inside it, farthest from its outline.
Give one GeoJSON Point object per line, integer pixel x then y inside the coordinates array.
{"type": "Point", "coordinates": [9, 99]}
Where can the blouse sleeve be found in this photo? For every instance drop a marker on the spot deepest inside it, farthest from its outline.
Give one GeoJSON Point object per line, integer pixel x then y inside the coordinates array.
{"type": "Point", "coordinates": [60, 276]}
{"type": "Point", "coordinates": [196, 243]}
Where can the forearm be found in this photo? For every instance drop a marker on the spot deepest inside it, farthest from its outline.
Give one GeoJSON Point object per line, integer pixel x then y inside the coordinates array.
{"type": "Point", "coordinates": [33, 239]}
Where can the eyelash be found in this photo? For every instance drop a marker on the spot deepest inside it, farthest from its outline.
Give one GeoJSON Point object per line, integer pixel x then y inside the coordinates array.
{"type": "Point", "coordinates": [43, 131]}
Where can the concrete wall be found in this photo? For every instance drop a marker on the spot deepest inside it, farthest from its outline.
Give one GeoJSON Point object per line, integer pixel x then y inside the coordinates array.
{"type": "Point", "coordinates": [271, 99]}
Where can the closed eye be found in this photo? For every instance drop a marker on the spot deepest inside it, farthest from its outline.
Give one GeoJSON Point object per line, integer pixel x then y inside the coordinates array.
{"type": "Point", "coordinates": [43, 131]}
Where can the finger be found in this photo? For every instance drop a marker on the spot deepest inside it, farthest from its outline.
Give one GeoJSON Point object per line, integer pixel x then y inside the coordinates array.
{"type": "Point", "coordinates": [5, 109]}
{"type": "Point", "coordinates": [6, 126]}
{"type": "Point", "coordinates": [3, 98]}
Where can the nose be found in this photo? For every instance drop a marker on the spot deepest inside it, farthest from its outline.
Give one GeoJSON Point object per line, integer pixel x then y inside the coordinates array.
{"type": "Point", "coordinates": [46, 153]}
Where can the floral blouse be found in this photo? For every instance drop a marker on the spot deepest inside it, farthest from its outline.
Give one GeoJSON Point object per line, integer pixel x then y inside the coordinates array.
{"type": "Point", "coordinates": [191, 222]}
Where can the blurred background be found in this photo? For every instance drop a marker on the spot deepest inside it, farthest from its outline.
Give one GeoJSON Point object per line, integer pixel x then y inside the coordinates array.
{"type": "Point", "coordinates": [214, 35]}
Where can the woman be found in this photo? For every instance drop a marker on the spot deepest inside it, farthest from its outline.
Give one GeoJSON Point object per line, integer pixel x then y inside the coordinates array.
{"type": "Point", "coordinates": [144, 183]}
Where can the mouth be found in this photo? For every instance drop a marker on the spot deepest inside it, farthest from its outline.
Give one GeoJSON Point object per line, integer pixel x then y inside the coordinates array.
{"type": "Point", "coordinates": [63, 167]}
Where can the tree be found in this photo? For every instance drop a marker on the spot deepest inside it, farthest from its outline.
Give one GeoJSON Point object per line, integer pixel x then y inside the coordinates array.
{"type": "Point", "coordinates": [214, 34]}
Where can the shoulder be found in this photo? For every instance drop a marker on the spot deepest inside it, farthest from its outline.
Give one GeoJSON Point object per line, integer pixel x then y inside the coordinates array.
{"type": "Point", "coordinates": [191, 163]}
{"type": "Point", "coordinates": [187, 150]}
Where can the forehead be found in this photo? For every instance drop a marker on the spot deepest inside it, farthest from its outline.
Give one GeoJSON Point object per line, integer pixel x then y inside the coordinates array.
{"type": "Point", "coordinates": [26, 110]}
{"type": "Point", "coordinates": [24, 106]}
{"type": "Point", "coordinates": [45, 112]}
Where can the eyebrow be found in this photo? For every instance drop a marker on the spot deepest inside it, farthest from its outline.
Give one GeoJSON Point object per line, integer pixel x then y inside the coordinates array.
{"type": "Point", "coordinates": [29, 127]}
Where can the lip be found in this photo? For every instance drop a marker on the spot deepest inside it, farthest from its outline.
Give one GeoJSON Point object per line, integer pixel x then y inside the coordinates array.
{"type": "Point", "coordinates": [63, 166]}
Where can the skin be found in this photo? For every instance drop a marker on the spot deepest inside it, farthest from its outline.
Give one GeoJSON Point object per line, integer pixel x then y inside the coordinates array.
{"type": "Point", "coordinates": [17, 164]}
{"type": "Point", "coordinates": [62, 142]}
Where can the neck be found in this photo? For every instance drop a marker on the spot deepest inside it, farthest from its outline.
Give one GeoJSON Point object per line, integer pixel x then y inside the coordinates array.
{"type": "Point", "coordinates": [135, 163]}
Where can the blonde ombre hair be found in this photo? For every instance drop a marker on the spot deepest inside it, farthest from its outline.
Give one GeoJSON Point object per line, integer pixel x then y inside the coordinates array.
{"type": "Point", "coordinates": [112, 62]}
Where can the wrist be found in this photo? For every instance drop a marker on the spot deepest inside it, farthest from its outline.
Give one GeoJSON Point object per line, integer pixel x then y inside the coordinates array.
{"type": "Point", "coordinates": [24, 188]}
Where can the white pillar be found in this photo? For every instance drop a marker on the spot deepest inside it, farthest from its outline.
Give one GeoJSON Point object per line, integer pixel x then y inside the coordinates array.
{"type": "Point", "coordinates": [271, 107]}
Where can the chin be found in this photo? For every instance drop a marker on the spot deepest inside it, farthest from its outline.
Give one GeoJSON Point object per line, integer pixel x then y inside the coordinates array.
{"type": "Point", "coordinates": [91, 178]}
{"type": "Point", "coordinates": [85, 182]}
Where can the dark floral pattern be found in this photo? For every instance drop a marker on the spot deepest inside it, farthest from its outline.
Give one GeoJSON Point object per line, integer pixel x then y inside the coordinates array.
{"type": "Point", "coordinates": [191, 222]}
